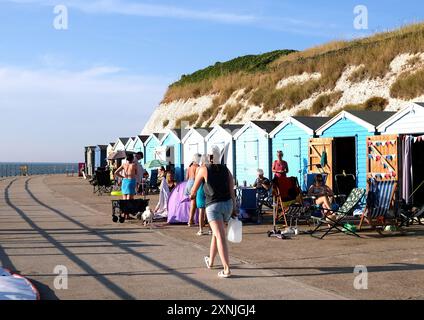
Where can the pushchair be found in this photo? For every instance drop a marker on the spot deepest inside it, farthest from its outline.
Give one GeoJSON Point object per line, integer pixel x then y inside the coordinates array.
{"type": "Point", "coordinates": [102, 182]}
{"type": "Point", "coordinates": [122, 209]}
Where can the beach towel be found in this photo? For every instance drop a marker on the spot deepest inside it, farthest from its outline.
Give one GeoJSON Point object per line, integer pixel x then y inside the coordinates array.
{"type": "Point", "coordinates": [179, 205]}
{"type": "Point", "coordinates": [161, 210]}
{"type": "Point", "coordinates": [16, 287]}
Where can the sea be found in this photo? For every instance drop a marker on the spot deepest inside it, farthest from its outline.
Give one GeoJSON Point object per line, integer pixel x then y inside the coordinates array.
{"type": "Point", "coordinates": [11, 169]}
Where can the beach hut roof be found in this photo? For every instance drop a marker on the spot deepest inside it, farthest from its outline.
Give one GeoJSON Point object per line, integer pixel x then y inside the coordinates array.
{"type": "Point", "coordinates": [230, 129]}
{"type": "Point", "coordinates": [143, 138]}
{"type": "Point", "coordinates": [413, 108]}
{"type": "Point", "coordinates": [308, 124]}
{"type": "Point", "coordinates": [203, 132]}
{"type": "Point", "coordinates": [265, 126]}
{"type": "Point", "coordinates": [102, 146]}
{"type": "Point", "coordinates": [367, 119]}
{"type": "Point", "coordinates": [155, 135]}
{"type": "Point", "coordinates": [124, 140]}
{"type": "Point", "coordinates": [175, 132]}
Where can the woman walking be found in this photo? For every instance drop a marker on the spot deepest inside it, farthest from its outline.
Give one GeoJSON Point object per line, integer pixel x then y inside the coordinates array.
{"type": "Point", "coordinates": [191, 174]}
{"type": "Point", "coordinates": [220, 205]}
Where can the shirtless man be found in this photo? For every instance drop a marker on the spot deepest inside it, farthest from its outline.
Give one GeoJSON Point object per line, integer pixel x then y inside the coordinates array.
{"type": "Point", "coordinates": [130, 172]}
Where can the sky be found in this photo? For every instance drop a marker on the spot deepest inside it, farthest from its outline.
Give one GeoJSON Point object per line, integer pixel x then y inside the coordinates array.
{"type": "Point", "coordinates": [99, 74]}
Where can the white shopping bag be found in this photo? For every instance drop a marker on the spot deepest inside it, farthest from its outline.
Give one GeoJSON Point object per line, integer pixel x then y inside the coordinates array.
{"type": "Point", "coordinates": [235, 231]}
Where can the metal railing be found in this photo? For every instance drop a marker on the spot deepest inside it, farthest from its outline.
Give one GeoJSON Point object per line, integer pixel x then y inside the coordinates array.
{"type": "Point", "coordinates": [19, 169]}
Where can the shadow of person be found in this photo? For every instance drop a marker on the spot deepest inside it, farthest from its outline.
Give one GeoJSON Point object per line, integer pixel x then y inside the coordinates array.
{"type": "Point", "coordinates": [45, 292]}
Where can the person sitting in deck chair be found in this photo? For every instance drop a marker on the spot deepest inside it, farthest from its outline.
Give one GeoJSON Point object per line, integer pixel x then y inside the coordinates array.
{"type": "Point", "coordinates": [322, 193]}
{"type": "Point", "coordinates": [262, 184]}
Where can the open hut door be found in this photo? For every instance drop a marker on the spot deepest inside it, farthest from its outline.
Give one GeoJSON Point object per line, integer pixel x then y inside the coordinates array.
{"type": "Point", "coordinates": [383, 157]}
{"type": "Point", "coordinates": [319, 149]}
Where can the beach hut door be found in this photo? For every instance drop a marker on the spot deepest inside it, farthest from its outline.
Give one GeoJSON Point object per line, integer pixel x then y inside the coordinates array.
{"type": "Point", "coordinates": [251, 159]}
{"type": "Point", "coordinates": [292, 154]}
{"type": "Point", "coordinates": [321, 157]}
{"type": "Point", "coordinates": [382, 157]}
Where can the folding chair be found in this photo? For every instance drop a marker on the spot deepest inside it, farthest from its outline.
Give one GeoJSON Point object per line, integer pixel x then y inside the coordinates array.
{"type": "Point", "coordinates": [379, 202]}
{"type": "Point", "coordinates": [335, 224]}
{"type": "Point", "coordinates": [153, 183]}
{"type": "Point", "coordinates": [103, 183]}
{"type": "Point", "coordinates": [248, 204]}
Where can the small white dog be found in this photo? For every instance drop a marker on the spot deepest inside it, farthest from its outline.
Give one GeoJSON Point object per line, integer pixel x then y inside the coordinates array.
{"type": "Point", "coordinates": [147, 216]}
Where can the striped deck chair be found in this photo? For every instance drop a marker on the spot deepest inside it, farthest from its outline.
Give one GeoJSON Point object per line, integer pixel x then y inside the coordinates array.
{"type": "Point", "coordinates": [379, 201]}
{"type": "Point", "coordinates": [334, 224]}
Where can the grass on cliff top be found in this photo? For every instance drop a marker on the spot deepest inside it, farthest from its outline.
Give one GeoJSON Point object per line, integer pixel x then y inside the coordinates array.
{"type": "Point", "coordinates": [375, 53]}
{"type": "Point", "coordinates": [249, 63]}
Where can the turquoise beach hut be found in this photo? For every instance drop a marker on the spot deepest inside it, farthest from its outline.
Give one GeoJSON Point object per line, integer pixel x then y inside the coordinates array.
{"type": "Point", "coordinates": [171, 150]}
{"type": "Point", "coordinates": [253, 150]}
{"type": "Point", "coordinates": [150, 146]}
{"type": "Point", "coordinates": [344, 141]}
{"type": "Point", "coordinates": [292, 137]}
{"type": "Point", "coordinates": [100, 155]}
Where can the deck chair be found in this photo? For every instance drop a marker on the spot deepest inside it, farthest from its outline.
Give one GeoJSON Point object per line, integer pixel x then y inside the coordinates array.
{"type": "Point", "coordinates": [409, 217]}
{"type": "Point", "coordinates": [327, 225]}
{"type": "Point", "coordinates": [310, 179]}
{"type": "Point", "coordinates": [288, 205]}
{"type": "Point", "coordinates": [379, 202]}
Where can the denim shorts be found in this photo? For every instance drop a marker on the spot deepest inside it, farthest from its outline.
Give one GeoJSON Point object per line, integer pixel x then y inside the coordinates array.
{"type": "Point", "coordinates": [220, 211]}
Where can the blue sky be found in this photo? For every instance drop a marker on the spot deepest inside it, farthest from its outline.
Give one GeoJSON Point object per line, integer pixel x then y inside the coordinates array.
{"type": "Point", "coordinates": [63, 89]}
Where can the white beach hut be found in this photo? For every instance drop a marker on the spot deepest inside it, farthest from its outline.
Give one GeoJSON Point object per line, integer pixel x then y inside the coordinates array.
{"type": "Point", "coordinates": [407, 127]}
{"type": "Point", "coordinates": [194, 142]}
{"type": "Point", "coordinates": [223, 137]}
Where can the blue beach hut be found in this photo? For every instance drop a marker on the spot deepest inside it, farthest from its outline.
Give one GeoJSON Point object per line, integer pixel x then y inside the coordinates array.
{"type": "Point", "coordinates": [253, 150]}
{"type": "Point", "coordinates": [171, 151]}
{"type": "Point", "coordinates": [343, 140]}
{"type": "Point", "coordinates": [100, 155]}
{"type": "Point", "coordinates": [292, 137]}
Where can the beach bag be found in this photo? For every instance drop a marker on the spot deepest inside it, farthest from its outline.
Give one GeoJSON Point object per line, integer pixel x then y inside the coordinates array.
{"type": "Point", "coordinates": [235, 230]}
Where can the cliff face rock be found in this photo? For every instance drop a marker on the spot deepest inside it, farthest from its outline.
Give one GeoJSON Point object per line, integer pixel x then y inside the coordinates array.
{"type": "Point", "coordinates": [383, 72]}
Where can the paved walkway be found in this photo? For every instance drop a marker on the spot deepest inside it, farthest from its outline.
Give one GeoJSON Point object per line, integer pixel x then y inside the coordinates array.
{"type": "Point", "coordinates": [41, 229]}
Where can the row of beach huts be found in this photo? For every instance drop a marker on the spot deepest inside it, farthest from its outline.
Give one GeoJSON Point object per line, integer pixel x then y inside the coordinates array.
{"type": "Point", "coordinates": [377, 144]}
